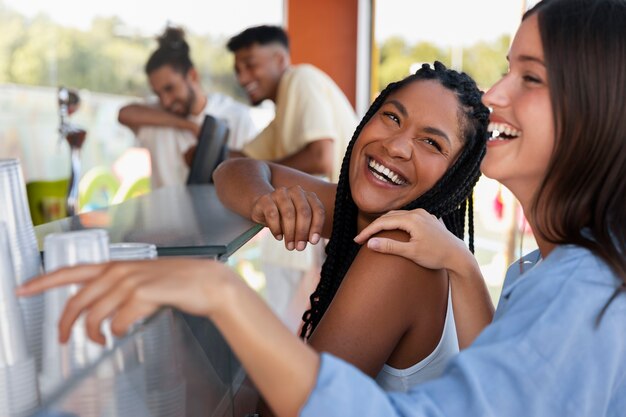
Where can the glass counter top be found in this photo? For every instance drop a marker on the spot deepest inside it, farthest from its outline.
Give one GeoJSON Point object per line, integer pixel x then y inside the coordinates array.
{"type": "Point", "coordinates": [179, 220]}
{"type": "Point", "coordinates": [173, 365]}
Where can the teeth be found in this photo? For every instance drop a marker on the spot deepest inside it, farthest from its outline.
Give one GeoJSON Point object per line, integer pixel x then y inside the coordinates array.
{"type": "Point", "coordinates": [498, 129]}
{"type": "Point", "coordinates": [385, 174]}
{"type": "Point", "coordinates": [251, 86]}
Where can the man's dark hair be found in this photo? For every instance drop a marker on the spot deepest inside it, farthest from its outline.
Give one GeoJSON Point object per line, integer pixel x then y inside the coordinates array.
{"type": "Point", "coordinates": [262, 35]}
{"type": "Point", "coordinates": [173, 50]}
{"type": "Point", "coordinates": [450, 198]}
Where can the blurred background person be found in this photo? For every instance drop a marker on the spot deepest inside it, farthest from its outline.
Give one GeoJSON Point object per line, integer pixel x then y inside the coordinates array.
{"type": "Point", "coordinates": [169, 128]}
{"type": "Point", "coordinates": [310, 131]}
{"type": "Point", "coordinates": [314, 120]}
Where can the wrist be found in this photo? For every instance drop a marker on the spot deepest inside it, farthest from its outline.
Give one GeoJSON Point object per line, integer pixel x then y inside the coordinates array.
{"type": "Point", "coordinates": [463, 263]}
{"type": "Point", "coordinates": [219, 290]}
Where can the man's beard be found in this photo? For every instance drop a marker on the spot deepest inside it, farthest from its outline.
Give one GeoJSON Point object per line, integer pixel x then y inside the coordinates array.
{"type": "Point", "coordinates": [187, 105]}
{"type": "Point", "coordinates": [191, 100]}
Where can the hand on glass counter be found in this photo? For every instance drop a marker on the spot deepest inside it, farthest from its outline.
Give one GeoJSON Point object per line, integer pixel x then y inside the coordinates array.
{"type": "Point", "coordinates": [277, 361]}
{"type": "Point", "coordinates": [129, 291]}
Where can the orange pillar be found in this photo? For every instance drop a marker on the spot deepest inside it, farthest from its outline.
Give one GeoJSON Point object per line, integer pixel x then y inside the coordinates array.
{"type": "Point", "coordinates": [324, 33]}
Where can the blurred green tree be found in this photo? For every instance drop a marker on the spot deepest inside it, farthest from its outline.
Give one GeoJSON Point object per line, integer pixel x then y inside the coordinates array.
{"type": "Point", "coordinates": [484, 61]}
{"type": "Point", "coordinates": [110, 56]}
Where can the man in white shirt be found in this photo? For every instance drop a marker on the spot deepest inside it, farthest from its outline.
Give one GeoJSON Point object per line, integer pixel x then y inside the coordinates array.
{"type": "Point", "coordinates": [169, 128]}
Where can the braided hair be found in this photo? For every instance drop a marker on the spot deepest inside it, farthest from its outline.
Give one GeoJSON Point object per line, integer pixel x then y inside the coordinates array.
{"type": "Point", "coordinates": [448, 199]}
{"type": "Point", "coordinates": [173, 50]}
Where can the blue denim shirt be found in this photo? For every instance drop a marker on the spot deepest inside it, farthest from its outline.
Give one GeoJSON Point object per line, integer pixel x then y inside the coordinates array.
{"type": "Point", "coordinates": [542, 356]}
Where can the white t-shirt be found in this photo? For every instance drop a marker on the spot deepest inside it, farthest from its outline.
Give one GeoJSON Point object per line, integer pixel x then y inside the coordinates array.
{"type": "Point", "coordinates": [167, 145]}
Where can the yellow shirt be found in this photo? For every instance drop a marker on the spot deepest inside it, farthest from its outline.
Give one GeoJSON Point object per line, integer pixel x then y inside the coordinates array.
{"type": "Point", "coordinates": [309, 107]}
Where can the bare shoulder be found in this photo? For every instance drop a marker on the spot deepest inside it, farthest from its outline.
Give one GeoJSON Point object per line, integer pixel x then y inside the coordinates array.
{"type": "Point", "coordinates": [382, 310]}
{"type": "Point", "coordinates": [374, 274]}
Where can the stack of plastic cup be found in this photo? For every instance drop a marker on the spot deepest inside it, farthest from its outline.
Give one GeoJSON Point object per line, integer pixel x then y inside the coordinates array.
{"type": "Point", "coordinates": [165, 386]}
{"type": "Point", "coordinates": [132, 251]}
{"type": "Point", "coordinates": [23, 242]}
{"type": "Point", "coordinates": [18, 374]}
{"type": "Point", "coordinates": [62, 361]}
{"type": "Point", "coordinates": [114, 386]}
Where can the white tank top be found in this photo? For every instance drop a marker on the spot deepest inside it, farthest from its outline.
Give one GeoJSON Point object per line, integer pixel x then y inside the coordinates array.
{"type": "Point", "coordinates": [432, 366]}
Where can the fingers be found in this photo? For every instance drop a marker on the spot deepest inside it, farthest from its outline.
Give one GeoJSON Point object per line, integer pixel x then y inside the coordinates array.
{"type": "Point", "coordinates": [411, 222]}
{"type": "Point", "coordinates": [128, 314]}
{"type": "Point", "coordinates": [292, 214]}
{"type": "Point", "coordinates": [318, 219]}
{"type": "Point", "coordinates": [60, 277]}
{"type": "Point", "coordinates": [390, 221]}
{"type": "Point", "coordinates": [289, 203]}
{"type": "Point", "coordinates": [265, 211]}
{"type": "Point", "coordinates": [310, 217]}
{"type": "Point", "coordinates": [390, 246]}
{"type": "Point", "coordinates": [100, 296]}
{"type": "Point", "coordinates": [128, 291]}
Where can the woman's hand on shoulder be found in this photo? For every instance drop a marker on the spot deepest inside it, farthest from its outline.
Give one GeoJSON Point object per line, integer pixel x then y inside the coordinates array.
{"type": "Point", "coordinates": [430, 245]}
{"type": "Point", "coordinates": [129, 291]}
{"type": "Point", "coordinates": [292, 214]}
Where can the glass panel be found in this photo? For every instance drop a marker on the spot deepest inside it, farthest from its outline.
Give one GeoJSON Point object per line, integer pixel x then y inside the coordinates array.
{"type": "Point", "coordinates": [173, 365]}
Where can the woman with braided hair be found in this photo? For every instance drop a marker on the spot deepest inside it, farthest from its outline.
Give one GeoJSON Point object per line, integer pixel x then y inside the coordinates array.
{"type": "Point", "coordinates": [556, 346]}
{"type": "Point", "coordinates": [449, 199]}
{"type": "Point", "coordinates": [419, 145]}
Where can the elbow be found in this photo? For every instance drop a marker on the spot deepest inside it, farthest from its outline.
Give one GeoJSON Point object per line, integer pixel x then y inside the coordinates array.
{"type": "Point", "coordinates": [222, 171]}
{"type": "Point", "coordinates": [229, 168]}
{"type": "Point", "coordinates": [129, 114]}
{"type": "Point", "coordinates": [123, 116]}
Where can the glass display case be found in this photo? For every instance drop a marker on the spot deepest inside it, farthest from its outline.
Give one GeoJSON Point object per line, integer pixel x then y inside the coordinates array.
{"type": "Point", "coordinates": [171, 365]}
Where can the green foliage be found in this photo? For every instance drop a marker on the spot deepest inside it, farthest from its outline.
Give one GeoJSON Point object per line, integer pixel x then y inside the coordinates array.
{"type": "Point", "coordinates": [106, 58]}
{"type": "Point", "coordinates": [485, 62]}
{"type": "Point", "coordinates": [110, 57]}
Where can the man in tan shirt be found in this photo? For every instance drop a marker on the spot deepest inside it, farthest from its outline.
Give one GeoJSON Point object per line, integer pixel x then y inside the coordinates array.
{"type": "Point", "coordinates": [313, 123]}
{"type": "Point", "coordinates": [314, 120]}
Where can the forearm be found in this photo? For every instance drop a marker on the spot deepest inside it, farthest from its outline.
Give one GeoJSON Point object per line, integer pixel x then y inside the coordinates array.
{"type": "Point", "coordinates": [473, 309]}
{"type": "Point", "coordinates": [138, 115]}
{"type": "Point", "coordinates": [240, 182]}
{"type": "Point", "coordinates": [316, 158]}
{"type": "Point", "coordinates": [282, 367]}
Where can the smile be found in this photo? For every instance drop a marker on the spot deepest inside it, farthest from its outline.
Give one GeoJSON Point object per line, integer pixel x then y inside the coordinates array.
{"type": "Point", "coordinates": [502, 131]}
{"type": "Point", "coordinates": [250, 87]}
{"type": "Point", "coordinates": [383, 173]}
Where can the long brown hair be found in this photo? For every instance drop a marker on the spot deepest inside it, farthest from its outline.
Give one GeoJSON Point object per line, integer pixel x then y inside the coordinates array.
{"type": "Point", "coordinates": [582, 199]}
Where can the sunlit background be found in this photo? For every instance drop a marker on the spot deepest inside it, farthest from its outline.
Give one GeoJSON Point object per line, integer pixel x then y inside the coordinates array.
{"type": "Point", "coordinates": [101, 51]}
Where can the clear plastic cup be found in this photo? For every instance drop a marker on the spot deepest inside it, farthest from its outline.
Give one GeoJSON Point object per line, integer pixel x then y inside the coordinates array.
{"type": "Point", "coordinates": [63, 250]}
{"type": "Point", "coordinates": [132, 251]}
{"type": "Point", "coordinates": [24, 251]}
{"type": "Point", "coordinates": [74, 248]}
{"type": "Point", "coordinates": [13, 347]}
